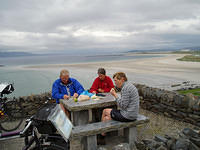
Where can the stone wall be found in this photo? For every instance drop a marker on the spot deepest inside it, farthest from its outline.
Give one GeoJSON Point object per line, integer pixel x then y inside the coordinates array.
{"type": "Point", "coordinates": [170, 103]}
{"type": "Point", "coordinates": [32, 103]}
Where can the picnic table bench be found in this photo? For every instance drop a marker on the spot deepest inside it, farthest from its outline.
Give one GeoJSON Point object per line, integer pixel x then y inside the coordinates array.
{"type": "Point", "coordinates": [91, 130]}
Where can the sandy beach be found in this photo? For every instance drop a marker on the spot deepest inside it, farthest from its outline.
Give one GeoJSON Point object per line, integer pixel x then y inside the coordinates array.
{"type": "Point", "coordinates": [158, 71]}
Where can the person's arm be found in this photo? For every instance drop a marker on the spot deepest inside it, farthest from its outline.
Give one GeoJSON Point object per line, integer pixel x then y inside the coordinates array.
{"type": "Point", "coordinates": [55, 92]}
{"type": "Point", "coordinates": [113, 92]}
{"type": "Point", "coordinates": [110, 85]}
{"type": "Point", "coordinates": [78, 87]}
{"type": "Point", "coordinates": [94, 87]}
{"type": "Point", "coordinates": [123, 102]}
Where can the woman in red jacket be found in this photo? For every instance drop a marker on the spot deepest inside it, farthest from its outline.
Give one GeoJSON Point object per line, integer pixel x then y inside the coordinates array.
{"type": "Point", "coordinates": [103, 83]}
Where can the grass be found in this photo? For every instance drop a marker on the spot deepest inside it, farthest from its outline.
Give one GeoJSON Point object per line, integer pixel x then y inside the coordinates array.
{"type": "Point", "coordinates": [193, 91]}
{"type": "Point", "coordinates": [193, 58]}
{"type": "Point", "coordinates": [160, 125]}
{"type": "Point", "coordinates": [192, 55]}
{"type": "Point", "coordinates": [193, 52]}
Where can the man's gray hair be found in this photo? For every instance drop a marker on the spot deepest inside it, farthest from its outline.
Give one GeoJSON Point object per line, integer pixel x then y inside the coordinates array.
{"type": "Point", "coordinates": [64, 72]}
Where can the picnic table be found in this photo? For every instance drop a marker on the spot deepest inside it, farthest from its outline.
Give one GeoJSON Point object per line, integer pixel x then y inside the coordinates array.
{"type": "Point", "coordinates": [84, 132]}
{"type": "Point", "coordinates": [81, 112]}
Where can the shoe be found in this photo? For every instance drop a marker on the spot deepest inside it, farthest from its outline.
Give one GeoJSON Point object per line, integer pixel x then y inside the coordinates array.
{"type": "Point", "coordinates": [101, 140]}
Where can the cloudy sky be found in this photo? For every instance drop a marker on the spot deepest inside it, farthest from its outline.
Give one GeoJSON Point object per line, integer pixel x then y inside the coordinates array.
{"type": "Point", "coordinates": [99, 25]}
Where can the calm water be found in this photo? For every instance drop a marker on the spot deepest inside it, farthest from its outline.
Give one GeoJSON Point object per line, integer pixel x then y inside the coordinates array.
{"type": "Point", "coordinates": [28, 82]}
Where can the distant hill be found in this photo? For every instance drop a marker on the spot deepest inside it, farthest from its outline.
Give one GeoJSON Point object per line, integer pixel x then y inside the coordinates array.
{"type": "Point", "coordinates": [151, 50]}
{"type": "Point", "coordinates": [197, 48]}
{"type": "Point", "coordinates": [15, 54]}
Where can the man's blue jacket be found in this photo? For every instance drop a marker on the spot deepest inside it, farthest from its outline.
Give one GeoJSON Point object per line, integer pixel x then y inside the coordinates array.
{"type": "Point", "coordinates": [59, 89]}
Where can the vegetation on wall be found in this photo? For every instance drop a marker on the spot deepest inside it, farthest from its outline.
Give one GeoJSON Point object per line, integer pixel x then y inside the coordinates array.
{"type": "Point", "coordinates": [193, 91]}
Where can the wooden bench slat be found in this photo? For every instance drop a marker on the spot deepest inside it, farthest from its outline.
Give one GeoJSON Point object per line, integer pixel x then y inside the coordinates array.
{"type": "Point", "coordinates": [100, 127]}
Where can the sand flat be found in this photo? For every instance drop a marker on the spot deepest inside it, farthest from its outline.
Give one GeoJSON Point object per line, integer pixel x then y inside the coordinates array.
{"type": "Point", "coordinates": [154, 71]}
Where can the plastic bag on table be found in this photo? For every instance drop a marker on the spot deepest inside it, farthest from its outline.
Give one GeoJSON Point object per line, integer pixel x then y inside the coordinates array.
{"type": "Point", "coordinates": [61, 122]}
{"type": "Point", "coordinates": [87, 93]}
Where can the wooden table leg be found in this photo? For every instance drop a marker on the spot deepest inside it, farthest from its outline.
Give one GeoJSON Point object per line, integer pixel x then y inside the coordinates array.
{"type": "Point", "coordinates": [131, 136]}
{"type": "Point", "coordinates": [80, 118]}
{"type": "Point", "coordinates": [92, 142]}
{"type": "Point", "coordinates": [90, 115]}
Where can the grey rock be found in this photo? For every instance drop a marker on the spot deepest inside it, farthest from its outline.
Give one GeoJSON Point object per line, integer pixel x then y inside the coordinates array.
{"type": "Point", "coordinates": [101, 148]}
{"type": "Point", "coordinates": [185, 144]}
{"type": "Point", "coordinates": [157, 107]}
{"type": "Point", "coordinates": [147, 141]}
{"type": "Point", "coordinates": [181, 135]}
{"type": "Point", "coordinates": [196, 107]}
{"type": "Point", "coordinates": [167, 114]}
{"type": "Point", "coordinates": [193, 147]}
{"type": "Point", "coordinates": [171, 108]}
{"type": "Point", "coordinates": [168, 137]}
{"type": "Point", "coordinates": [154, 145]}
{"type": "Point", "coordinates": [163, 106]}
{"type": "Point", "coordinates": [196, 112]}
{"type": "Point", "coordinates": [122, 146]}
{"type": "Point", "coordinates": [197, 124]}
{"type": "Point", "coordinates": [140, 145]}
{"type": "Point", "coordinates": [162, 148]}
{"type": "Point", "coordinates": [160, 139]}
{"type": "Point", "coordinates": [196, 141]}
{"type": "Point", "coordinates": [174, 85]}
{"type": "Point", "coordinates": [181, 101]}
{"type": "Point", "coordinates": [182, 144]}
{"type": "Point", "coordinates": [182, 114]}
{"type": "Point", "coordinates": [190, 120]}
{"type": "Point", "coordinates": [194, 116]}
{"type": "Point", "coordinates": [191, 99]}
{"type": "Point", "coordinates": [171, 144]}
{"type": "Point", "coordinates": [190, 133]}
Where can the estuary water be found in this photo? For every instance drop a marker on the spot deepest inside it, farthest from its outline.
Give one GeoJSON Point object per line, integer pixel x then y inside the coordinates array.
{"type": "Point", "coordinates": [36, 81]}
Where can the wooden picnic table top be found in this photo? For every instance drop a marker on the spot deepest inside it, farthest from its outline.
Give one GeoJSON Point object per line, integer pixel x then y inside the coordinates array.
{"type": "Point", "coordinates": [106, 101]}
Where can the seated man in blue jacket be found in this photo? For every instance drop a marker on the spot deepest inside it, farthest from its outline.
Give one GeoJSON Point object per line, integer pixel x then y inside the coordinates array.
{"type": "Point", "coordinates": [65, 87]}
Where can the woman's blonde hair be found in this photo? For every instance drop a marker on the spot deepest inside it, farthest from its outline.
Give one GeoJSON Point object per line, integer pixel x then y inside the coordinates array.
{"type": "Point", "coordinates": [120, 75]}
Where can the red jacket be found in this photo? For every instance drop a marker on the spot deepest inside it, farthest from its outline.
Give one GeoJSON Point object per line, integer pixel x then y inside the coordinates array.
{"type": "Point", "coordinates": [105, 85]}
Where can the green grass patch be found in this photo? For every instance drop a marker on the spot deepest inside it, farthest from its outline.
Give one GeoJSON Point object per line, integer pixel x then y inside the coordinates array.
{"type": "Point", "coordinates": [194, 58]}
{"type": "Point", "coordinates": [193, 91]}
{"type": "Point", "coordinates": [182, 52]}
{"type": "Point", "coordinates": [193, 52]}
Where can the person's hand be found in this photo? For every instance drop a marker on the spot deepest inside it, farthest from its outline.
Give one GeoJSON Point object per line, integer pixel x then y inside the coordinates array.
{"type": "Point", "coordinates": [66, 96]}
{"type": "Point", "coordinates": [113, 92]}
{"type": "Point", "coordinates": [75, 95]}
{"type": "Point", "coordinates": [101, 90]}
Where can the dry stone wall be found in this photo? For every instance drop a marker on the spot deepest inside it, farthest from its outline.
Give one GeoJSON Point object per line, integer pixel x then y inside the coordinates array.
{"type": "Point", "coordinates": [170, 103]}
{"type": "Point", "coordinates": [32, 103]}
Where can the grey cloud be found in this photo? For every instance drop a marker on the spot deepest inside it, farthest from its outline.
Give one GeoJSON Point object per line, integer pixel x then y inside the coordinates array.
{"type": "Point", "coordinates": [139, 23]}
